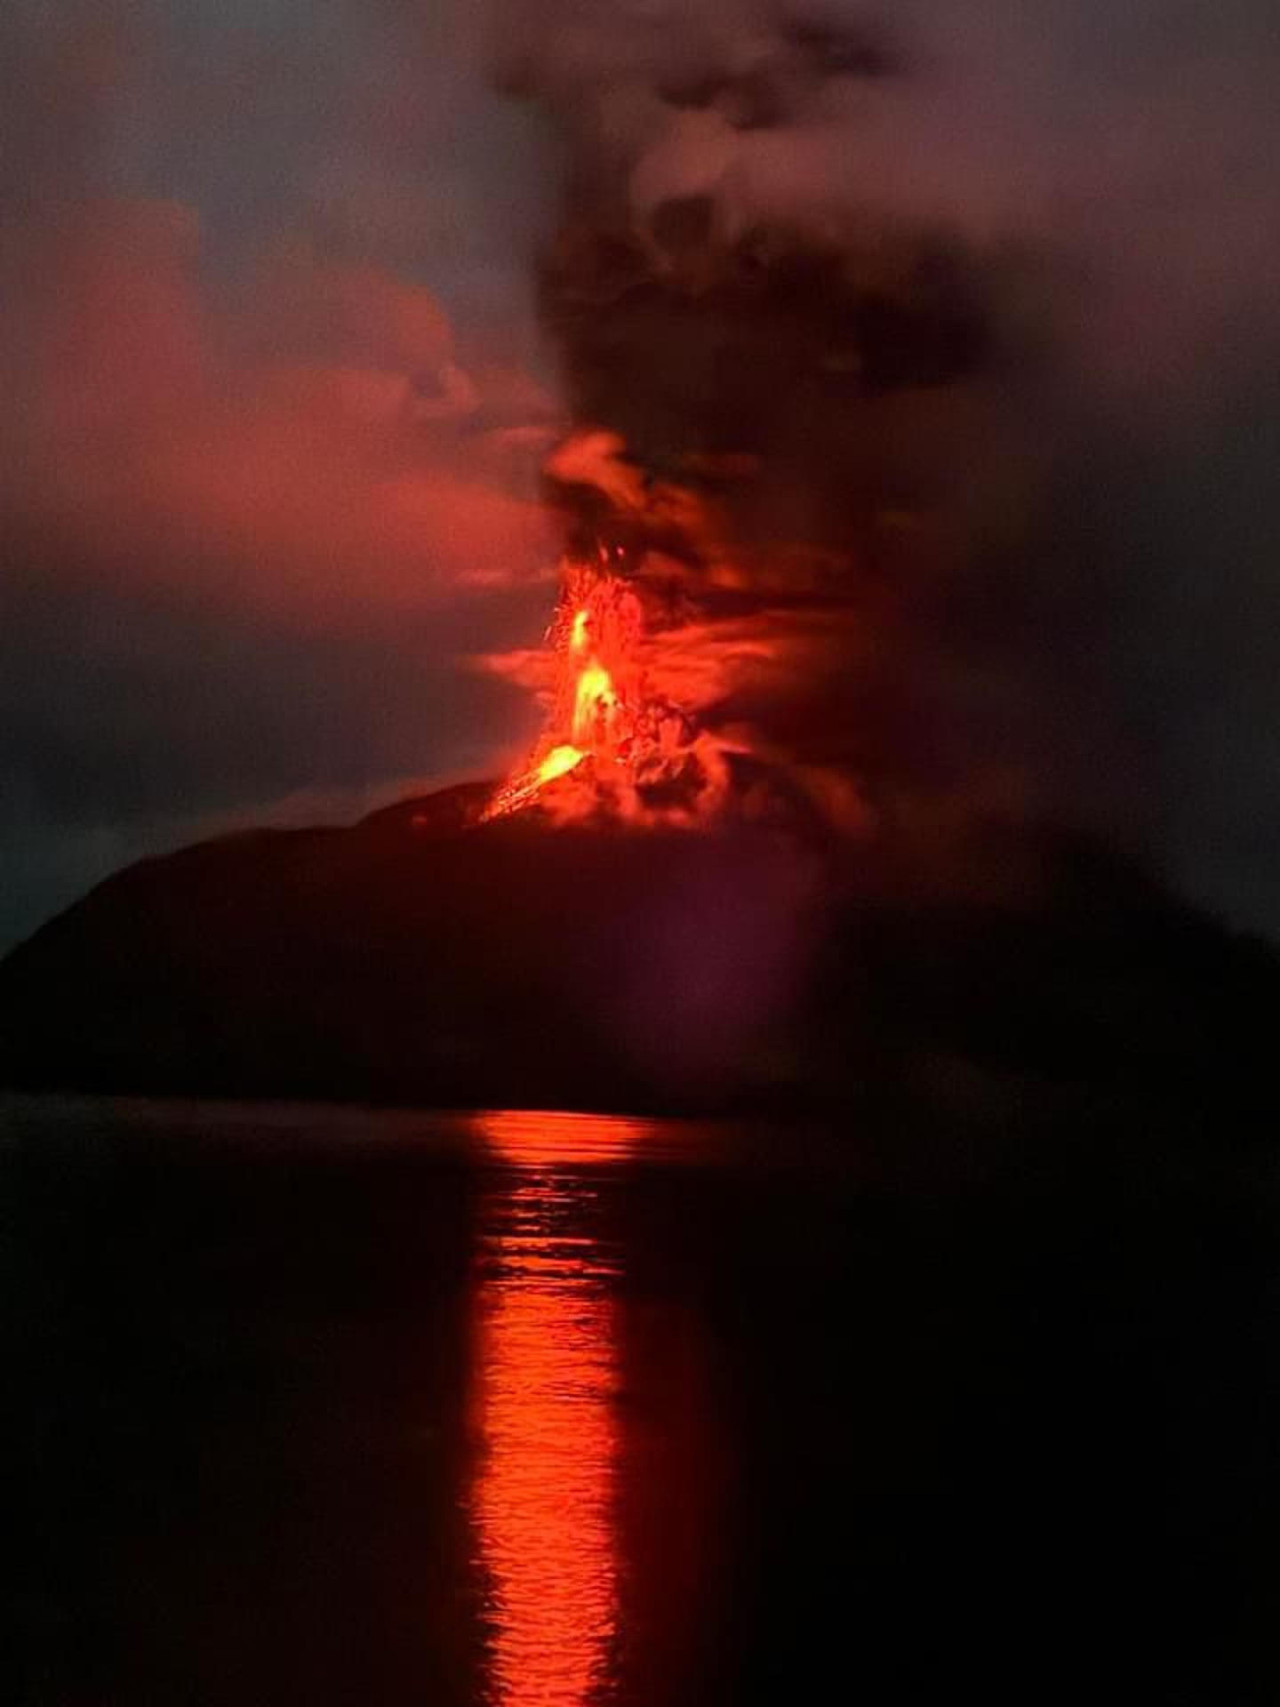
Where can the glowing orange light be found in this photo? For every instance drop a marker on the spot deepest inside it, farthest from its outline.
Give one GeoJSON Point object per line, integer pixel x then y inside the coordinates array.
{"type": "Point", "coordinates": [603, 706]}
{"type": "Point", "coordinates": [593, 696]}
{"type": "Point", "coordinates": [539, 1139]}
{"type": "Point", "coordinates": [544, 1501]}
{"type": "Point", "coordinates": [594, 712]}
{"type": "Point", "coordinates": [559, 762]}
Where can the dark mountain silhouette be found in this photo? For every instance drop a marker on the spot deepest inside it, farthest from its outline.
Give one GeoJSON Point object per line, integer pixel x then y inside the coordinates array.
{"type": "Point", "coordinates": [423, 957]}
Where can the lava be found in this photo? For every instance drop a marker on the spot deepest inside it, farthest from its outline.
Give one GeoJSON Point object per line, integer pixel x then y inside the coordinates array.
{"type": "Point", "coordinates": [558, 762]}
{"type": "Point", "coordinates": [612, 745]}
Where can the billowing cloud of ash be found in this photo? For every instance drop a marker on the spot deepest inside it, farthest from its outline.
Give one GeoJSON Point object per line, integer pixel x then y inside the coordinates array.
{"type": "Point", "coordinates": [929, 351]}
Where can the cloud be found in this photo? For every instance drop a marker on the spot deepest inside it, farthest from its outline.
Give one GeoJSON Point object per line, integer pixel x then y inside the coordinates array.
{"type": "Point", "coordinates": [321, 455]}
{"type": "Point", "coordinates": [1067, 496]}
{"type": "Point", "coordinates": [266, 480]}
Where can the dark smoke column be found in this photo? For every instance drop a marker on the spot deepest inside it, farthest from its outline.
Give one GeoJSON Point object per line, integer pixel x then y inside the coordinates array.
{"type": "Point", "coordinates": [790, 425]}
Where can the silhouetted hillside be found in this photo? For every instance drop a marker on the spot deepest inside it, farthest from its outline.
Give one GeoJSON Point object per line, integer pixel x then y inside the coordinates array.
{"type": "Point", "coordinates": [420, 957]}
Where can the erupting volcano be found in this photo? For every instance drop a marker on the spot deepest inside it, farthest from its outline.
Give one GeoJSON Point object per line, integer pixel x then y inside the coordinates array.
{"type": "Point", "coordinates": [614, 746]}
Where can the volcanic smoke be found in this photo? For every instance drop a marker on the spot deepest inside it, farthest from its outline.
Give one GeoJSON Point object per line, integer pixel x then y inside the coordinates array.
{"type": "Point", "coordinates": [771, 483]}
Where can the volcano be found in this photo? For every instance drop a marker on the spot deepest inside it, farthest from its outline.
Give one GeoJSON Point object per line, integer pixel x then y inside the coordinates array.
{"type": "Point", "coordinates": [436, 955]}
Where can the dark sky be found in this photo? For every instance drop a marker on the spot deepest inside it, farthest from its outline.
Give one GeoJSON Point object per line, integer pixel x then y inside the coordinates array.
{"type": "Point", "coordinates": [275, 401]}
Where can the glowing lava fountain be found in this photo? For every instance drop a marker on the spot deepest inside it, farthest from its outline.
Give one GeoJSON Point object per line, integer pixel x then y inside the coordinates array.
{"type": "Point", "coordinates": [612, 745]}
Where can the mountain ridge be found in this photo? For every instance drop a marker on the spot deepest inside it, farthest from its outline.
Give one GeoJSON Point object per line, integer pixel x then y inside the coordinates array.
{"type": "Point", "coordinates": [423, 957]}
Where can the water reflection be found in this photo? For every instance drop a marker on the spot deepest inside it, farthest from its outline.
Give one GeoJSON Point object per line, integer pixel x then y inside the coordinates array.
{"type": "Point", "coordinates": [540, 1140]}
{"type": "Point", "coordinates": [544, 1503]}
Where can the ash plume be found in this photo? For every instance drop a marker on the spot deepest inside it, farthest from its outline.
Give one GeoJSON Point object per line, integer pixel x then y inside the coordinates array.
{"type": "Point", "coordinates": [921, 353]}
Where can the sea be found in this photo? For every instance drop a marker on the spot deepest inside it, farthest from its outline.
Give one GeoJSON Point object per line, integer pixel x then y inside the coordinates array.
{"type": "Point", "coordinates": [313, 1407]}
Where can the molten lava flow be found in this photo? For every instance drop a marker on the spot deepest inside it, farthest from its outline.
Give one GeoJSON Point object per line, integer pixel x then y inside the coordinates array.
{"type": "Point", "coordinates": [592, 713]}
{"type": "Point", "coordinates": [612, 744]}
{"type": "Point", "coordinates": [559, 762]}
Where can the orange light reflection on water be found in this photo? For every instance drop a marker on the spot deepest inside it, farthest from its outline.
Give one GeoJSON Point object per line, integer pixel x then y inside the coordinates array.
{"type": "Point", "coordinates": [544, 1502]}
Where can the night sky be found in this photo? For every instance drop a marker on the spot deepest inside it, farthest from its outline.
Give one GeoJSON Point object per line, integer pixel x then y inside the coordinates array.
{"type": "Point", "coordinates": [276, 397]}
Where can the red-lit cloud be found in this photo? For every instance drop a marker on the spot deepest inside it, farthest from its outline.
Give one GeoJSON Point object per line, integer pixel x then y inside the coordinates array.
{"type": "Point", "coordinates": [314, 450]}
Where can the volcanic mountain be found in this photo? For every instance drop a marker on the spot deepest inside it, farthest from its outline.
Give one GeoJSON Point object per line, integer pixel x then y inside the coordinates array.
{"type": "Point", "coordinates": [435, 956]}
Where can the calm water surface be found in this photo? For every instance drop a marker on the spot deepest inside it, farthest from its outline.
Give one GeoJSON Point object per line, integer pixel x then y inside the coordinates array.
{"type": "Point", "coordinates": [518, 1410]}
